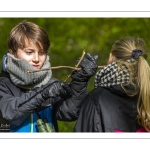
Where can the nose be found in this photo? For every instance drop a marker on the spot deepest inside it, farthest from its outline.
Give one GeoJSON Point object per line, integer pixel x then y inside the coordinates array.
{"type": "Point", "coordinates": [36, 58]}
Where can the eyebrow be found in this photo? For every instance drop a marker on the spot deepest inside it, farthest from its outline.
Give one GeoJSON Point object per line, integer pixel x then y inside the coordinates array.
{"type": "Point", "coordinates": [29, 49]}
{"type": "Point", "coordinates": [33, 49]}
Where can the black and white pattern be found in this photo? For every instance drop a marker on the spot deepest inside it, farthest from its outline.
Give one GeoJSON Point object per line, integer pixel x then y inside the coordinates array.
{"type": "Point", "coordinates": [111, 75]}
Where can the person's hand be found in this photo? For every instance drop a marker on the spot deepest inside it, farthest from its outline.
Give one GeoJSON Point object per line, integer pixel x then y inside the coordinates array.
{"type": "Point", "coordinates": [89, 67]}
{"type": "Point", "coordinates": [55, 89]}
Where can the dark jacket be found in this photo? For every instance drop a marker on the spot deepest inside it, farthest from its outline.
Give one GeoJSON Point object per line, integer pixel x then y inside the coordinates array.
{"type": "Point", "coordinates": [108, 110]}
{"type": "Point", "coordinates": [16, 104]}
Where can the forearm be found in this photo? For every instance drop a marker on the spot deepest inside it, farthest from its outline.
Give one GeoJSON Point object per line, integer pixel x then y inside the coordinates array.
{"type": "Point", "coordinates": [16, 109]}
{"type": "Point", "coordinates": [69, 109]}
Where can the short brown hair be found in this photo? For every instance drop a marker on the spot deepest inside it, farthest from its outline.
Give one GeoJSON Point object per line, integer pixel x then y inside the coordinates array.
{"type": "Point", "coordinates": [28, 31]}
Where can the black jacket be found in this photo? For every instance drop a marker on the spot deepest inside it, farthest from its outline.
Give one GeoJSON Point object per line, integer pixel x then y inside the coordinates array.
{"type": "Point", "coordinates": [17, 104]}
{"type": "Point", "coordinates": [108, 110]}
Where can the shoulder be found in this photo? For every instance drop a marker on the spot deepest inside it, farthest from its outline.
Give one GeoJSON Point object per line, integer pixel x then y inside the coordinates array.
{"type": "Point", "coordinates": [107, 99]}
{"type": "Point", "coordinates": [7, 86]}
{"type": "Point", "coordinates": [102, 96]}
{"type": "Point", "coordinates": [93, 98]}
{"type": "Point", "coordinates": [5, 80]}
{"type": "Point", "coordinates": [97, 91]}
{"type": "Point", "coordinates": [95, 94]}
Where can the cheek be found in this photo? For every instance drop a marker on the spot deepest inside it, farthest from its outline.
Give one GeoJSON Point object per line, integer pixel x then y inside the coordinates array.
{"type": "Point", "coordinates": [27, 58]}
{"type": "Point", "coordinates": [22, 55]}
{"type": "Point", "coordinates": [42, 59]}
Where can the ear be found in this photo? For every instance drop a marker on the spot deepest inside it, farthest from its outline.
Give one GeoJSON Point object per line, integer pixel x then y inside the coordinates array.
{"type": "Point", "coordinates": [12, 53]}
{"type": "Point", "coordinates": [111, 58]}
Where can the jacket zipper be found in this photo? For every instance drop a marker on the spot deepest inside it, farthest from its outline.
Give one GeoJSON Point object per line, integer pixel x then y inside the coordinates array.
{"type": "Point", "coordinates": [31, 118]}
{"type": "Point", "coordinates": [31, 123]}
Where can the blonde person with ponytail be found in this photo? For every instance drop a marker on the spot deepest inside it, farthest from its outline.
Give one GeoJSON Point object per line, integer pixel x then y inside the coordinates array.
{"type": "Point", "coordinates": [120, 101]}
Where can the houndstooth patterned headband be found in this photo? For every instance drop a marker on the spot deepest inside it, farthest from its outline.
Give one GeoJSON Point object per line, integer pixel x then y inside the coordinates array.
{"type": "Point", "coordinates": [110, 75]}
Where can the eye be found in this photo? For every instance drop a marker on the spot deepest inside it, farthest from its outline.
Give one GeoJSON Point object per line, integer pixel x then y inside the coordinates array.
{"type": "Point", "coordinates": [28, 52]}
{"type": "Point", "coordinates": [42, 53]}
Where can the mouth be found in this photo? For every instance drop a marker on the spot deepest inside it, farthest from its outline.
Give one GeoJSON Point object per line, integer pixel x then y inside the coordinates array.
{"type": "Point", "coordinates": [36, 66]}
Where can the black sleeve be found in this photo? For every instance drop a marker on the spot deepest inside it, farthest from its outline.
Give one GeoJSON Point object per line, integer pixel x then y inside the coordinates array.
{"type": "Point", "coordinates": [68, 110]}
{"type": "Point", "coordinates": [15, 109]}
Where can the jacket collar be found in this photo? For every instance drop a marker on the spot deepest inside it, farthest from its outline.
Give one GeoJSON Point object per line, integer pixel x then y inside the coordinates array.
{"type": "Point", "coordinates": [118, 90]}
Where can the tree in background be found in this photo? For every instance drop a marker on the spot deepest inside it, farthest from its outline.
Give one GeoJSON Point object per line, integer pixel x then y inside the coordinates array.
{"type": "Point", "coordinates": [70, 36]}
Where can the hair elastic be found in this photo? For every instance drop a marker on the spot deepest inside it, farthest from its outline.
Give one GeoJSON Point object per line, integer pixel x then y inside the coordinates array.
{"type": "Point", "coordinates": [136, 53]}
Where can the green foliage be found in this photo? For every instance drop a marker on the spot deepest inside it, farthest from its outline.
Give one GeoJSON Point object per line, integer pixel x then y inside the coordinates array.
{"type": "Point", "coordinates": [70, 36]}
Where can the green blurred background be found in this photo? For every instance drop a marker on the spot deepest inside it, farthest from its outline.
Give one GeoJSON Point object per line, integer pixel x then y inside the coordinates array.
{"type": "Point", "coordinates": [70, 36]}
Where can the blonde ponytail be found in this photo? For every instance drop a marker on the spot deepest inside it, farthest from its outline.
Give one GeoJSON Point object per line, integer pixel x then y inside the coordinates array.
{"type": "Point", "coordinates": [132, 53]}
{"type": "Point", "coordinates": [144, 94]}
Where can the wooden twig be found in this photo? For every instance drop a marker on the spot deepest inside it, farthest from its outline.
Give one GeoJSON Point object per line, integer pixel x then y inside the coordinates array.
{"type": "Point", "coordinates": [76, 66]}
{"type": "Point", "coordinates": [50, 68]}
{"type": "Point", "coordinates": [58, 67]}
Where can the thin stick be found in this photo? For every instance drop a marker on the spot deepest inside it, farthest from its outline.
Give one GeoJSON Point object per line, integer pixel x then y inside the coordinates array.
{"type": "Point", "coordinates": [50, 68]}
{"type": "Point", "coordinates": [83, 53]}
{"type": "Point", "coordinates": [58, 67]}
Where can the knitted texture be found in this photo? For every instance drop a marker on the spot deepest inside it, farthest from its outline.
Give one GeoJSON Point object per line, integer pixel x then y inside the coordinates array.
{"type": "Point", "coordinates": [111, 75]}
{"type": "Point", "coordinates": [17, 69]}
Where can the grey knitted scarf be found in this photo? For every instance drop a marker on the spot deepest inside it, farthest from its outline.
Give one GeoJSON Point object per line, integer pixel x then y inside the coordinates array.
{"type": "Point", "coordinates": [17, 69]}
{"type": "Point", "coordinates": [111, 75]}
